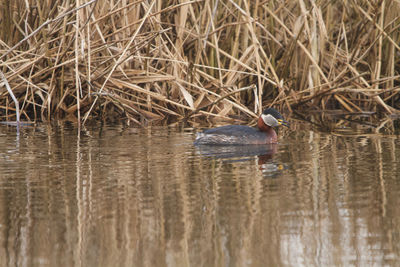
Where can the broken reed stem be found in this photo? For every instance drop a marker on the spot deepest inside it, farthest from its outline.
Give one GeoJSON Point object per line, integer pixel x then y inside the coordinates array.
{"type": "Point", "coordinates": [219, 100]}
{"type": "Point", "coordinates": [10, 92]}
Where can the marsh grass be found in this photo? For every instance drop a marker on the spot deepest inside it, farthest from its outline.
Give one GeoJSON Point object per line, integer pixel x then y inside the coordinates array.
{"type": "Point", "coordinates": [169, 61]}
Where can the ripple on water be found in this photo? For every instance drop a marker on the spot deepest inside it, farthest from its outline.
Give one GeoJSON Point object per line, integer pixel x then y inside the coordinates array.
{"type": "Point", "coordinates": [148, 196]}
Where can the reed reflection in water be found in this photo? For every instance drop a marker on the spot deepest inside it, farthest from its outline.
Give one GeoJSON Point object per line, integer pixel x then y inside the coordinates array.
{"type": "Point", "coordinates": [148, 197]}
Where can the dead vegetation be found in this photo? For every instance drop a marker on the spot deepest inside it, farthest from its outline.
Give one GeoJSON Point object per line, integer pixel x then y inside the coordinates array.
{"type": "Point", "coordinates": [194, 60]}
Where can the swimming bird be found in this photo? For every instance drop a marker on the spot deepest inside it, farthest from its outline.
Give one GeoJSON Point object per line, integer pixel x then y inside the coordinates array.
{"type": "Point", "coordinates": [245, 135]}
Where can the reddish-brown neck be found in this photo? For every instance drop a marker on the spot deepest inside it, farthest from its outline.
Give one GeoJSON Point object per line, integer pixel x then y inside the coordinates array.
{"type": "Point", "coordinates": [262, 126]}
{"type": "Point", "coordinates": [271, 136]}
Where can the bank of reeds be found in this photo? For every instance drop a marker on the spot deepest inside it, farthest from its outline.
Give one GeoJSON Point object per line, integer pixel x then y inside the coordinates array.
{"type": "Point", "coordinates": [191, 60]}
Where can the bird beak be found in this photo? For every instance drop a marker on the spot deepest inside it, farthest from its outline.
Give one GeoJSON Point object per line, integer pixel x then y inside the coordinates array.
{"type": "Point", "coordinates": [283, 122]}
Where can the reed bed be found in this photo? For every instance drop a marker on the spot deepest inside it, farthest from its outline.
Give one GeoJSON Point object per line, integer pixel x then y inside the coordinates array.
{"type": "Point", "coordinates": [197, 60]}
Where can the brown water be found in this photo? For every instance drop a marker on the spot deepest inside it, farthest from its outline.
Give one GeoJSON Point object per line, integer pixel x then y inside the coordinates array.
{"type": "Point", "coordinates": [147, 197]}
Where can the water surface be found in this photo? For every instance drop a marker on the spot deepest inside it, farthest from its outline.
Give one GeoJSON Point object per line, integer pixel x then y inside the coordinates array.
{"type": "Point", "coordinates": [115, 196]}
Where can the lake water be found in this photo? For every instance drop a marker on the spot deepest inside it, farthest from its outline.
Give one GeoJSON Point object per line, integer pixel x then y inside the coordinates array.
{"type": "Point", "coordinates": [115, 196]}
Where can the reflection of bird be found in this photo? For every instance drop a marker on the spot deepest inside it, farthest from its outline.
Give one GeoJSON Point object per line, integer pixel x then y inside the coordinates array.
{"type": "Point", "coordinates": [242, 135]}
{"type": "Point", "coordinates": [238, 152]}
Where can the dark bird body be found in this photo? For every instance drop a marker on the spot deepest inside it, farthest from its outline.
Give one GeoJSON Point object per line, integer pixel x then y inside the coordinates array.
{"type": "Point", "coordinates": [244, 135]}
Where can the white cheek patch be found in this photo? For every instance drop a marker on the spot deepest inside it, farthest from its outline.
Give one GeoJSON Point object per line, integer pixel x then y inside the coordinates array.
{"type": "Point", "coordinates": [269, 120]}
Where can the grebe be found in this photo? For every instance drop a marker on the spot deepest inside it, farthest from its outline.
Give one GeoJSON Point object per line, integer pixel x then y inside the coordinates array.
{"type": "Point", "coordinates": [245, 135]}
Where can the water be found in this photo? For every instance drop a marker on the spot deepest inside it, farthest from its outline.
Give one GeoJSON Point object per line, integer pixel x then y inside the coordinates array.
{"type": "Point", "coordinates": [113, 196]}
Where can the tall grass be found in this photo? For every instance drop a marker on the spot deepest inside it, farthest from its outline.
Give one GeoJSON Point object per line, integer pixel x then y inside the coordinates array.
{"type": "Point", "coordinates": [174, 60]}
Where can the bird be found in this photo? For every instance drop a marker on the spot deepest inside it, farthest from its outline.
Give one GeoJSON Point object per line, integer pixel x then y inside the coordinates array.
{"type": "Point", "coordinates": [245, 135]}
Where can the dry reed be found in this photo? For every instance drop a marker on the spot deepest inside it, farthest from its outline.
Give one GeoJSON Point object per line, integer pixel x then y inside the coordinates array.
{"type": "Point", "coordinates": [170, 60]}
